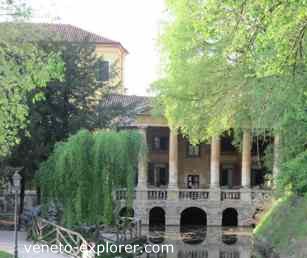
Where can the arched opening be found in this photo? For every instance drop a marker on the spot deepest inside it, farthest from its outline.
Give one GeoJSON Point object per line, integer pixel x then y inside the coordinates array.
{"type": "Point", "coordinates": [230, 218]}
{"type": "Point", "coordinates": [157, 219]}
{"type": "Point", "coordinates": [126, 212]}
{"type": "Point", "coordinates": [193, 221]}
{"type": "Point", "coordinates": [193, 218]}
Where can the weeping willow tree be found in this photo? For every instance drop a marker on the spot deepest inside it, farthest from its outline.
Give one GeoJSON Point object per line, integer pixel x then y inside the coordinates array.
{"type": "Point", "coordinates": [82, 173]}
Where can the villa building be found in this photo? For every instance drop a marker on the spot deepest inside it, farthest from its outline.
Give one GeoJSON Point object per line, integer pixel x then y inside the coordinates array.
{"type": "Point", "coordinates": [207, 184]}
{"type": "Point", "coordinates": [112, 52]}
{"type": "Point", "coordinates": [211, 183]}
{"type": "Point", "coordinates": [113, 56]}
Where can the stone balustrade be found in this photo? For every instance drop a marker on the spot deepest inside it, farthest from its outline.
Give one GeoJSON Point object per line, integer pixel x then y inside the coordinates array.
{"type": "Point", "coordinates": [157, 194]}
{"type": "Point", "coordinates": [255, 195]}
{"type": "Point", "coordinates": [121, 194]}
{"type": "Point", "coordinates": [194, 194]}
{"type": "Point", "coordinates": [230, 195]}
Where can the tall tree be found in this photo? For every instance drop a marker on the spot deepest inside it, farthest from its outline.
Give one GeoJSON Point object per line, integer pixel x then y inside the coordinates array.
{"type": "Point", "coordinates": [23, 68]}
{"type": "Point", "coordinates": [236, 64]}
{"type": "Point", "coordinates": [69, 105]}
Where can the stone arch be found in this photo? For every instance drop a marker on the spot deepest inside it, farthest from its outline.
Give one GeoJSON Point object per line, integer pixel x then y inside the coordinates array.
{"type": "Point", "coordinates": [157, 218]}
{"type": "Point", "coordinates": [230, 218]}
{"type": "Point", "coordinates": [126, 212]}
{"type": "Point", "coordinates": [193, 217]}
{"type": "Point", "coordinates": [185, 207]}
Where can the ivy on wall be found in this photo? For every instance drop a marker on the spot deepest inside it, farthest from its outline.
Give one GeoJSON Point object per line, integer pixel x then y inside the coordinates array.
{"type": "Point", "coordinates": [82, 173]}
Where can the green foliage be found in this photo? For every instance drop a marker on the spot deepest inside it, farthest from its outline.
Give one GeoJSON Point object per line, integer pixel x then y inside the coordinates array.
{"type": "Point", "coordinates": [291, 213]}
{"type": "Point", "coordinates": [82, 173]}
{"type": "Point", "coordinates": [294, 174]}
{"type": "Point", "coordinates": [5, 255]}
{"type": "Point", "coordinates": [69, 104]}
{"type": "Point", "coordinates": [236, 64]}
{"type": "Point", "coordinates": [24, 68]}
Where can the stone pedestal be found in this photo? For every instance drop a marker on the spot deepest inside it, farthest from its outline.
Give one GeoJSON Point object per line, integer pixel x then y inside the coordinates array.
{"type": "Point", "coordinates": [141, 194]}
{"type": "Point", "coordinates": [172, 194]}
{"type": "Point", "coordinates": [246, 196]}
{"type": "Point", "coordinates": [215, 194]}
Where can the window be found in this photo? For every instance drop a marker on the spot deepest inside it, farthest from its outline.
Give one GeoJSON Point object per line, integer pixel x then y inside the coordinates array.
{"type": "Point", "coordinates": [193, 181]}
{"type": "Point", "coordinates": [229, 178]}
{"type": "Point", "coordinates": [158, 175]}
{"type": "Point", "coordinates": [102, 71]}
{"type": "Point", "coordinates": [160, 143]}
{"type": "Point", "coordinates": [193, 150]}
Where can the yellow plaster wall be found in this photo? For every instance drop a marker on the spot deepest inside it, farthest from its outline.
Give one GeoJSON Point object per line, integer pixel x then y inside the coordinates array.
{"type": "Point", "coordinates": [116, 56]}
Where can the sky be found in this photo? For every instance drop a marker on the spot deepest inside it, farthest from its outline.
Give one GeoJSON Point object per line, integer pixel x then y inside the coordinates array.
{"type": "Point", "coordinates": [135, 23]}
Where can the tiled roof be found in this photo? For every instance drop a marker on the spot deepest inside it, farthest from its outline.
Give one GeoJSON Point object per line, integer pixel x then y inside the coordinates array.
{"type": "Point", "coordinates": [70, 33]}
{"type": "Point", "coordinates": [127, 106]}
{"type": "Point", "coordinates": [139, 103]}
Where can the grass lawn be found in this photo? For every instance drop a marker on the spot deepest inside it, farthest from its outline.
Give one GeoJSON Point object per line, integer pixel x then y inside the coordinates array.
{"type": "Point", "coordinates": [5, 255]}
{"type": "Point", "coordinates": [285, 226]}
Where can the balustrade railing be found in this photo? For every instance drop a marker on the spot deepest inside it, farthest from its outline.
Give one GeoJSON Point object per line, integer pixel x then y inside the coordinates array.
{"type": "Point", "coordinates": [230, 195]}
{"type": "Point", "coordinates": [230, 254]}
{"type": "Point", "coordinates": [122, 194]}
{"type": "Point", "coordinates": [257, 195]}
{"type": "Point", "coordinates": [157, 195]}
{"type": "Point", "coordinates": [193, 195]}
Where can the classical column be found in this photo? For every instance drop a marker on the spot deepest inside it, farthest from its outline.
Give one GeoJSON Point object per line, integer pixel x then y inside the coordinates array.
{"type": "Point", "coordinates": [173, 159]}
{"type": "Point", "coordinates": [246, 158]}
{"type": "Point", "coordinates": [215, 162]}
{"type": "Point", "coordinates": [276, 157]}
{"type": "Point", "coordinates": [142, 163]}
